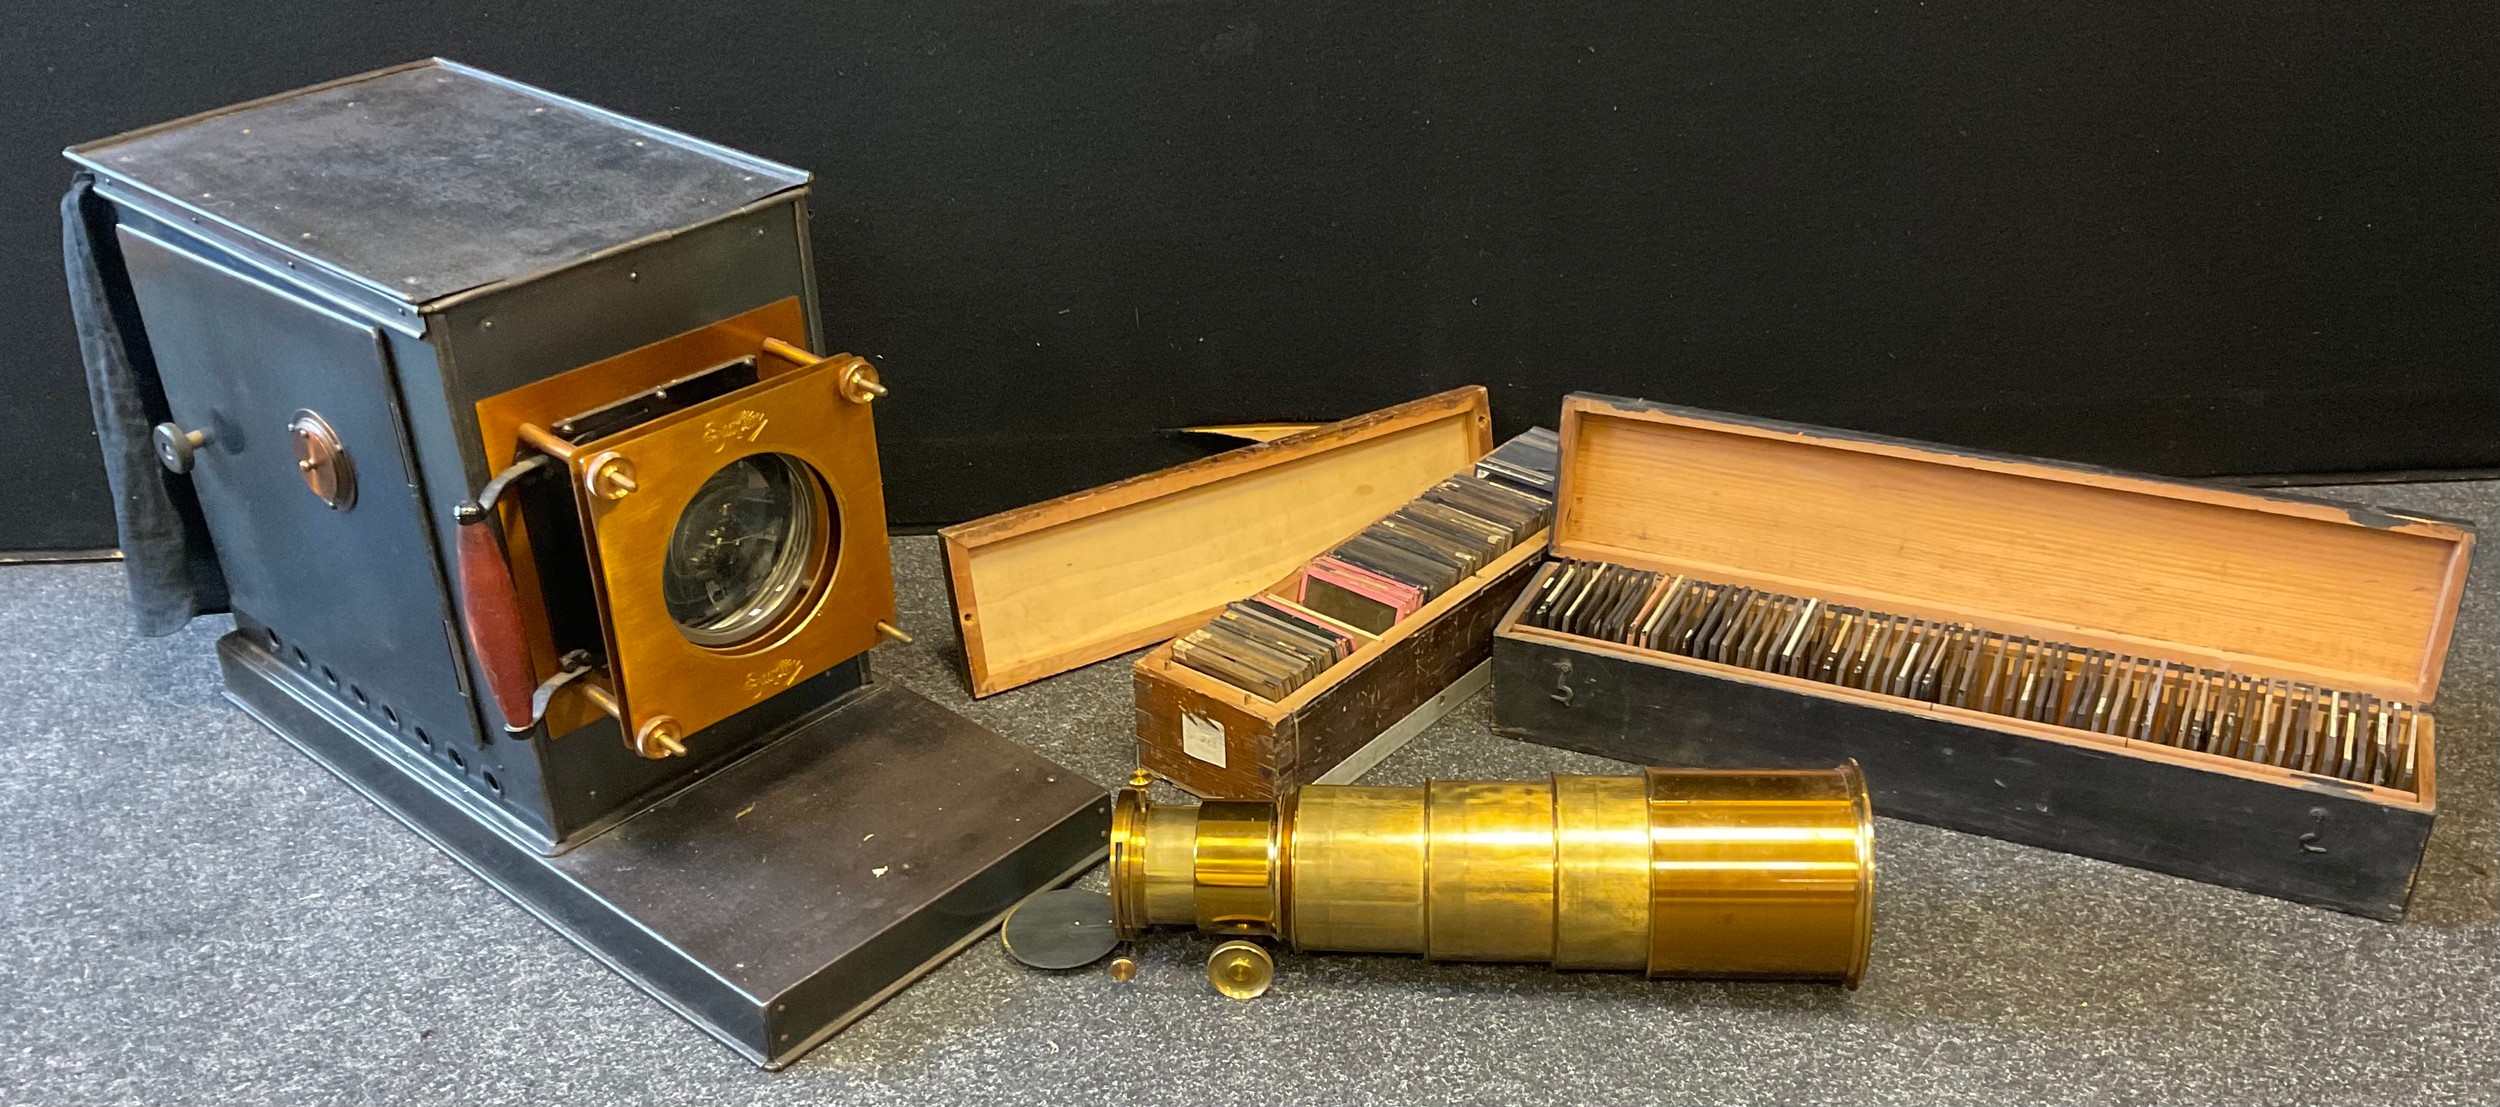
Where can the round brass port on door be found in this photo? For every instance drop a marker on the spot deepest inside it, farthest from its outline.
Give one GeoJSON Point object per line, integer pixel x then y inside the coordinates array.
{"type": "Point", "coordinates": [321, 459]}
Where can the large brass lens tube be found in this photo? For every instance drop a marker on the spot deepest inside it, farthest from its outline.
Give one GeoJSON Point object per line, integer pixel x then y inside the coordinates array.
{"type": "Point", "coordinates": [1767, 874]}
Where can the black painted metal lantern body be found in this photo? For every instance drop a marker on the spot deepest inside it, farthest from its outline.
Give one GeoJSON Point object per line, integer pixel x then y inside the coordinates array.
{"type": "Point", "coordinates": [365, 301]}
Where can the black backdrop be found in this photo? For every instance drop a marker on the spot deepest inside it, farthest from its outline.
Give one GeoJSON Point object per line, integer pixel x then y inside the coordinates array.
{"type": "Point", "coordinates": [2216, 237]}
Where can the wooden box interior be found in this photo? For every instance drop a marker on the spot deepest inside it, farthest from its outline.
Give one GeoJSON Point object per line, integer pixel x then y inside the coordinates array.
{"type": "Point", "coordinates": [2268, 585]}
{"type": "Point", "coordinates": [1071, 581]}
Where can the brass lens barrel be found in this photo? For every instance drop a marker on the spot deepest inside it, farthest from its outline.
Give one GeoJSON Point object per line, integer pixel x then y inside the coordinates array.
{"type": "Point", "coordinates": [1676, 872]}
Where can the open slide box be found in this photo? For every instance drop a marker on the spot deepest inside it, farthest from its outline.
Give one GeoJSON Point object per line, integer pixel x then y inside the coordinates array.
{"type": "Point", "coordinates": [2315, 619]}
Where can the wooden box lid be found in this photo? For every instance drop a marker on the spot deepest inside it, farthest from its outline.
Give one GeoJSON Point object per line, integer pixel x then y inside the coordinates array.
{"type": "Point", "coordinates": [1071, 581]}
{"type": "Point", "coordinates": [2349, 597]}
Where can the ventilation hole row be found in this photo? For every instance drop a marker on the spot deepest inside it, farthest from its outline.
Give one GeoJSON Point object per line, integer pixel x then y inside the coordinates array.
{"type": "Point", "coordinates": [385, 713]}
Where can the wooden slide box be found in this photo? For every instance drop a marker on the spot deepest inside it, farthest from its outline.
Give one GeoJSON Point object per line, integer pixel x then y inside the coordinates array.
{"type": "Point", "coordinates": [2257, 583]}
{"type": "Point", "coordinates": [1221, 742]}
{"type": "Point", "coordinates": [1044, 589]}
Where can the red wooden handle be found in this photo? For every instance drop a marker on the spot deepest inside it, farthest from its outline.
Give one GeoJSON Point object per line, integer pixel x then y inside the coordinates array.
{"type": "Point", "coordinates": [490, 609]}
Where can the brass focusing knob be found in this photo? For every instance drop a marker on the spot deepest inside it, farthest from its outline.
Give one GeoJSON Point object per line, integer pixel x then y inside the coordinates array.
{"type": "Point", "coordinates": [1241, 970]}
{"type": "Point", "coordinates": [175, 446]}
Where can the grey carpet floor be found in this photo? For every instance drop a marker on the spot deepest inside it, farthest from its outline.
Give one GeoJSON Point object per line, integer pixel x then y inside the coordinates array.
{"type": "Point", "coordinates": [192, 912]}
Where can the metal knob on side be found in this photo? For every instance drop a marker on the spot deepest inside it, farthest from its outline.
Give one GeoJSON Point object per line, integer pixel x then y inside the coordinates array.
{"type": "Point", "coordinates": [175, 446]}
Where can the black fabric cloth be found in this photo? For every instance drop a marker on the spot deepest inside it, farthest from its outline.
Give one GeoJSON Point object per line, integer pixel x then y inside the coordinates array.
{"type": "Point", "coordinates": [171, 564]}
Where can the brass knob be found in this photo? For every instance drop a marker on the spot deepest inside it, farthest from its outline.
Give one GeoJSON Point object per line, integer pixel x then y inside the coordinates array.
{"type": "Point", "coordinates": [610, 476]}
{"type": "Point", "coordinates": [1241, 970]}
{"type": "Point", "coordinates": [1123, 969]}
{"type": "Point", "coordinates": [659, 738]}
{"type": "Point", "coordinates": [175, 446]}
{"type": "Point", "coordinates": [859, 382]}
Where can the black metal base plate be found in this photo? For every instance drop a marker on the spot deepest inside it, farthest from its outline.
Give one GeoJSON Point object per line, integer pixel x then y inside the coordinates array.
{"type": "Point", "coordinates": [781, 898]}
